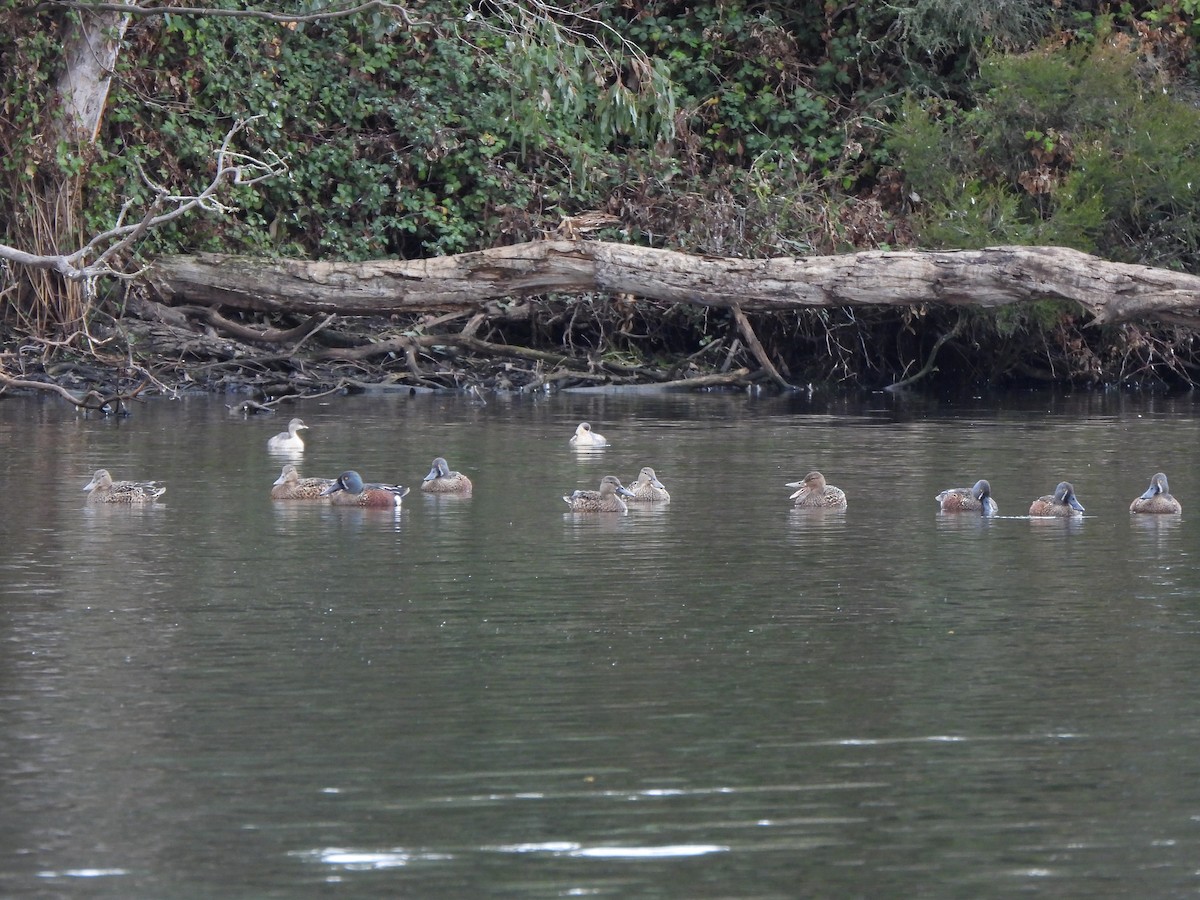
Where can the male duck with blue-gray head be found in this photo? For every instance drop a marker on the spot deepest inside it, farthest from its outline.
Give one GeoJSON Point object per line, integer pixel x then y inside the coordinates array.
{"type": "Point", "coordinates": [607, 499]}
{"type": "Point", "coordinates": [348, 489]}
{"type": "Point", "coordinates": [977, 499]}
{"type": "Point", "coordinates": [290, 486]}
{"type": "Point", "coordinates": [1157, 498]}
{"type": "Point", "coordinates": [442, 480]}
{"type": "Point", "coordinates": [814, 493]}
{"type": "Point", "coordinates": [288, 440]}
{"type": "Point", "coordinates": [585, 437]}
{"type": "Point", "coordinates": [1062, 504]}
{"type": "Point", "coordinates": [648, 489]}
{"type": "Point", "coordinates": [102, 489]}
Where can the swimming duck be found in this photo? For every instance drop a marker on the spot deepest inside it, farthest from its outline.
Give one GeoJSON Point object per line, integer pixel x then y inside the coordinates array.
{"type": "Point", "coordinates": [585, 437]}
{"type": "Point", "coordinates": [973, 499]}
{"type": "Point", "coordinates": [814, 493]}
{"type": "Point", "coordinates": [648, 489]}
{"type": "Point", "coordinates": [288, 440]}
{"type": "Point", "coordinates": [1061, 504]}
{"type": "Point", "coordinates": [607, 499]}
{"type": "Point", "coordinates": [1157, 498]}
{"type": "Point", "coordinates": [348, 490]}
{"type": "Point", "coordinates": [102, 489]}
{"type": "Point", "coordinates": [290, 486]}
{"type": "Point", "coordinates": [441, 480]}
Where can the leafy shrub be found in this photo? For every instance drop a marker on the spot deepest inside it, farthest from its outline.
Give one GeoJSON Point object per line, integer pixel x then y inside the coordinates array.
{"type": "Point", "coordinates": [1067, 146]}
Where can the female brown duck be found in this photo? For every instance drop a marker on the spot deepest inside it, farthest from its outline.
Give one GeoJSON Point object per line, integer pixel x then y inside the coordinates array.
{"type": "Point", "coordinates": [1062, 504]}
{"type": "Point", "coordinates": [290, 486]}
{"type": "Point", "coordinates": [102, 489]}
{"type": "Point", "coordinates": [814, 493]}
{"type": "Point", "coordinates": [607, 499]}
{"type": "Point", "coordinates": [1157, 498]}
{"type": "Point", "coordinates": [442, 480]}
{"type": "Point", "coordinates": [648, 489]}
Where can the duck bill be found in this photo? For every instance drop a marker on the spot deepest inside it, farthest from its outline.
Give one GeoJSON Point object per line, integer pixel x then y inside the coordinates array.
{"type": "Point", "coordinates": [332, 489]}
{"type": "Point", "coordinates": [1076, 505]}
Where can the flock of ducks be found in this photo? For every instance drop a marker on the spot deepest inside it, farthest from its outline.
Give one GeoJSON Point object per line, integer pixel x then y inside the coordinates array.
{"type": "Point", "coordinates": [349, 489]}
{"type": "Point", "coordinates": [1062, 504]}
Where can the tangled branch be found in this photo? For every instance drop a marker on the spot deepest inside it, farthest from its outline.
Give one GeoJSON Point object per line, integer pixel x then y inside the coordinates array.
{"type": "Point", "coordinates": [232, 167]}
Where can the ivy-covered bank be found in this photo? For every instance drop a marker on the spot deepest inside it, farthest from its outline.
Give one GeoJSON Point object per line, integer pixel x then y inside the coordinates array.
{"type": "Point", "coordinates": [731, 129]}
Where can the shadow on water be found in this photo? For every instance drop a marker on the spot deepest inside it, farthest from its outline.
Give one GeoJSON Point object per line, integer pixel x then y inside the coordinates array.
{"type": "Point", "coordinates": [495, 696]}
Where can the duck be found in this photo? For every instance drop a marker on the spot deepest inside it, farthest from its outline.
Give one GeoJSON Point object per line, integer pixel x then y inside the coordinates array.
{"type": "Point", "coordinates": [585, 437]}
{"type": "Point", "coordinates": [441, 480]}
{"type": "Point", "coordinates": [348, 490]}
{"type": "Point", "coordinates": [814, 493]}
{"type": "Point", "coordinates": [288, 440]}
{"type": "Point", "coordinates": [607, 499]}
{"type": "Point", "coordinates": [1061, 504]}
{"type": "Point", "coordinates": [973, 499]}
{"type": "Point", "coordinates": [102, 489]}
{"type": "Point", "coordinates": [1157, 498]}
{"type": "Point", "coordinates": [290, 486]}
{"type": "Point", "coordinates": [648, 489]}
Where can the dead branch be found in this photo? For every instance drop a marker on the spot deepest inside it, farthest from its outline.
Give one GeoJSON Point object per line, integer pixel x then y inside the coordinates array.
{"type": "Point", "coordinates": [92, 399]}
{"type": "Point", "coordinates": [232, 168]}
{"type": "Point", "coordinates": [756, 347]}
{"type": "Point", "coordinates": [929, 361]}
{"type": "Point", "coordinates": [269, 336]}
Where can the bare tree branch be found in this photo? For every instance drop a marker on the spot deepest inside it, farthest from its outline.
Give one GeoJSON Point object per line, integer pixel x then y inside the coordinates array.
{"type": "Point", "coordinates": [90, 400]}
{"type": "Point", "coordinates": [283, 18]}
{"type": "Point", "coordinates": [232, 167]}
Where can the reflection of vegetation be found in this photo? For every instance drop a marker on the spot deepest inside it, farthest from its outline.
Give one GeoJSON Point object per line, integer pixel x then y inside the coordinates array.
{"type": "Point", "coordinates": [730, 128]}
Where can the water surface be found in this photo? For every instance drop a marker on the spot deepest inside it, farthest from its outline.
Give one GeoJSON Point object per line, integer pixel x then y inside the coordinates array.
{"type": "Point", "coordinates": [219, 695]}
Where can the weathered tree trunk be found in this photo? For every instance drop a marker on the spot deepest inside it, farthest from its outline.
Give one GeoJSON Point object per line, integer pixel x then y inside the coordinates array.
{"type": "Point", "coordinates": [992, 277]}
{"type": "Point", "coordinates": [90, 52]}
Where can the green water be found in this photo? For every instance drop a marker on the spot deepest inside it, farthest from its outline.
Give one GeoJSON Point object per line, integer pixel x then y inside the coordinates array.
{"type": "Point", "coordinates": [222, 696]}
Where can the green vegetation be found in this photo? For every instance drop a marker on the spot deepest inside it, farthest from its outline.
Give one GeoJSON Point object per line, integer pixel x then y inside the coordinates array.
{"type": "Point", "coordinates": [736, 128]}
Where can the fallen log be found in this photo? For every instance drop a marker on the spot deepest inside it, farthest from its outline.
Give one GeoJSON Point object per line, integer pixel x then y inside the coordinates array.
{"type": "Point", "coordinates": [991, 277]}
